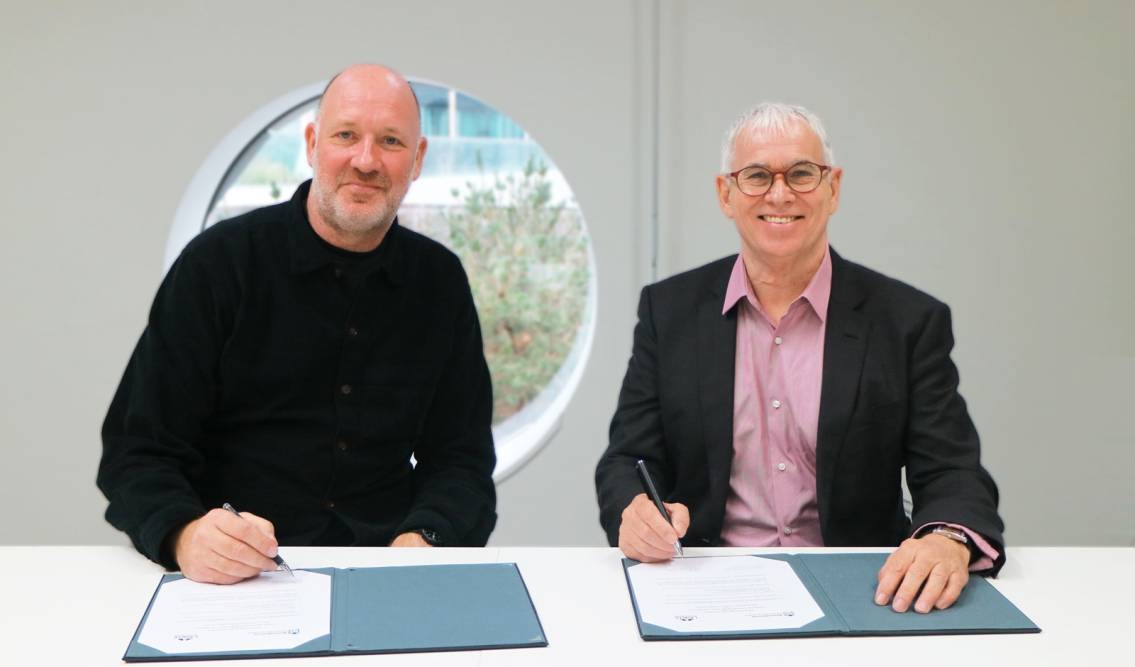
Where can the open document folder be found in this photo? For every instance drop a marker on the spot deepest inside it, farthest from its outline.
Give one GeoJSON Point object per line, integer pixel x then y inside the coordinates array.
{"type": "Point", "coordinates": [339, 611]}
{"type": "Point", "coordinates": [783, 595]}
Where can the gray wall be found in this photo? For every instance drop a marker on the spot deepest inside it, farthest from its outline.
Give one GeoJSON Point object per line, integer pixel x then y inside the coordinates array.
{"type": "Point", "coordinates": [984, 144]}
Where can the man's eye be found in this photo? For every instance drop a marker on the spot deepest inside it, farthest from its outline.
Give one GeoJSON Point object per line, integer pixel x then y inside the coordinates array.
{"type": "Point", "coordinates": [757, 176]}
{"type": "Point", "coordinates": [392, 141]}
{"type": "Point", "coordinates": [343, 135]}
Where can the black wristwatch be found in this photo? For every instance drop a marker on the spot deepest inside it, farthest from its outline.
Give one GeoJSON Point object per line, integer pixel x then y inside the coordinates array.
{"type": "Point", "coordinates": [430, 536]}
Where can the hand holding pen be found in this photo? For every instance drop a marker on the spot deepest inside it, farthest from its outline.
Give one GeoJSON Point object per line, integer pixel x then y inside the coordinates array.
{"type": "Point", "coordinates": [650, 528]}
{"type": "Point", "coordinates": [224, 547]}
{"type": "Point", "coordinates": [276, 558]}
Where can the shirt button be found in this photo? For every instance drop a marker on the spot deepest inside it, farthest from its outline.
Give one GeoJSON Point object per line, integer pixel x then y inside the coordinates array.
{"type": "Point", "coordinates": [345, 389]}
{"type": "Point", "coordinates": [776, 404]}
{"type": "Point", "coordinates": [787, 530]}
{"type": "Point", "coordinates": [342, 446]}
{"type": "Point", "coordinates": [778, 340]}
{"type": "Point", "coordinates": [338, 272]}
{"type": "Point", "coordinates": [351, 331]}
{"type": "Point", "coordinates": [780, 466]}
{"type": "Point", "coordinates": [329, 504]}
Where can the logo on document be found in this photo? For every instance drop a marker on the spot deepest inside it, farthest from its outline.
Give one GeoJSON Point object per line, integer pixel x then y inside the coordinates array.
{"type": "Point", "coordinates": [184, 638]}
{"type": "Point", "coordinates": [686, 618]}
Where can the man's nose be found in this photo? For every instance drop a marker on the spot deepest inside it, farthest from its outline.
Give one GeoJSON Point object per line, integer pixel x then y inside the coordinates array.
{"type": "Point", "coordinates": [366, 156]}
{"type": "Point", "coordinates": [779, 192]}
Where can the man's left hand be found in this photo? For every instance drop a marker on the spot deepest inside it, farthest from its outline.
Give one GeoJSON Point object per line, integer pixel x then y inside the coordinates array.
{"type": "Point", "coordinates": [410, 540]}
{"type": "Point", "coordinates": [936, 564]}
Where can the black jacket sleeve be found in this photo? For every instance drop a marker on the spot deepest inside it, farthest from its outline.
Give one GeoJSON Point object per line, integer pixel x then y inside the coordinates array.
{"type": "Point", "coordinates": [454, 493]}
{"type": "Point", "coordinates": [636, 429]}
{"type": "Point", "coordinates": [154, 421]}
{"type": "Point", "coordinates": [943, 454]}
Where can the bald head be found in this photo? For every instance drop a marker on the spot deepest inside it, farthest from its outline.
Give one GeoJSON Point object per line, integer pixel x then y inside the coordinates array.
{"type": "Point", "coordinates": [365, 147]}
{"type": "Point", "coordinates": [378, 73]}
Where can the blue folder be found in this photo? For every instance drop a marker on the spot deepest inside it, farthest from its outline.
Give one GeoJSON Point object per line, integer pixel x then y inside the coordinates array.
{"type": "Point", "coordinates": [843, 585]}
{"type": "Point", "coordinates": [403, 609]}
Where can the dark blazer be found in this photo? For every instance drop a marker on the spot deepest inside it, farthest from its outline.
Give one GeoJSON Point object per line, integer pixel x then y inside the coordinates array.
{"type": "Point", "coordinates": [889, 400]}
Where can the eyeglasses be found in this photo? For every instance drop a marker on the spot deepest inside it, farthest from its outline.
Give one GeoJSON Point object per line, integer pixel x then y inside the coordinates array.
{"type": "Point", "coordinates": [802, 177]}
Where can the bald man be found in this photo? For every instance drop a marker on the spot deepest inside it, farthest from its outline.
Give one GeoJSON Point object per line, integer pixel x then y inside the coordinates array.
{"type": "Point", "coordinates": [296, 357]}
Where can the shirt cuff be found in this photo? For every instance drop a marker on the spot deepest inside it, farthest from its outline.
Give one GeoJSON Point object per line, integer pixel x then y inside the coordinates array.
{"type": "Point", "coordinates": [985, 555]}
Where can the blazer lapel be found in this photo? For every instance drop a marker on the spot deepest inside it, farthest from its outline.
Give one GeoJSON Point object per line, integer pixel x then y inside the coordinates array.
{"type": "Point", "coordinates": [845, 342]}
{"type": "Point", "coordinates": [716, 349]}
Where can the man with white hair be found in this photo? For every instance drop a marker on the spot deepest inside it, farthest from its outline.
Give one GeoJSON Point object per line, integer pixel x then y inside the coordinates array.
{"type": "Point", "coordinates": [297, 357]}
{"type": "Point", "coordinates": [776, 396]}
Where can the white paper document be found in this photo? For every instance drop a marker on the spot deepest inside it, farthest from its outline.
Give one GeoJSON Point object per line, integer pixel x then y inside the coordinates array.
{"type": "Point", "coordinates": [272, 611]}
{"type": "Point", "coordinates": [722, 594]}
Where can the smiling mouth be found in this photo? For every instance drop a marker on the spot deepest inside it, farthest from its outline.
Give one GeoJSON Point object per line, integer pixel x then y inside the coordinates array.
{"type": "Point", "coordinates": [780, 219]}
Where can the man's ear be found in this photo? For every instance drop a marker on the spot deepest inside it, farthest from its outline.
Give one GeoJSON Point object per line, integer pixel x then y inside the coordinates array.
{"type": "Point", "coordinates": [309, 142]}
{"type": "Point", "coordinates": [723, 185]}
{"type": "Point", "coordinates": [420, 158]}
{"type": "Point", "coordinates": [837, 182]}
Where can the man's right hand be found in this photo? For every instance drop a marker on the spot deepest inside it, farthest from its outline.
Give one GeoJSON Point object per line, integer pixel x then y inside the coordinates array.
{"type": "Point", "coordinates": [644, 534]}
{"type": "Point", "coordinates": [222, 548]}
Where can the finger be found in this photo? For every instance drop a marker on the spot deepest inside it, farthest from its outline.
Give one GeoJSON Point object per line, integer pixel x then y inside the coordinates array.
{"type": "Point", "coordinates": [234, 549]}
{"type": "Point", "coordinates": [891, 575]}
{"type": "Point", "coordinates": [210, 575]}
{"type": "Point", "coordinates": [635, 548]}
{"type": "Point", "coordinates": [646, 541]}
{"type": "Point", "coordinates": [242, 530]}
{"type": "Point", "coordinates": [264, 525]}
{"type": "Point", "coordinates": [201, 557]}
{"type": "Point", "coordinates": [679, 518]}
{"type": "Point", "coordinates": [637, 540]}
{"type": "Point", "coordinates": [908, 590]}
{"type": "Point", "coordinates": [630, 550]}
{"type": "Point", "coordinates": [932, 589]}
{"type": "Point", "coordinates": [239, 552]}
{"type": "Point", "coordinates": [954, 588]}
{"type": "Point", "coordinates": [652, 519]}
{"type": "Point", "coordinates": [207, 575]}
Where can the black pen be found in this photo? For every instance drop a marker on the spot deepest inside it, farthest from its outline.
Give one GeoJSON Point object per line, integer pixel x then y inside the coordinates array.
{"type": "Point", "coordinates": [278, 560]}
{"type": "Point", "coordinates": [648, 485]}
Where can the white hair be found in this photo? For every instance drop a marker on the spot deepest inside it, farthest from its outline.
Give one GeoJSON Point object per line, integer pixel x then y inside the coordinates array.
{"type": "Point", "coordinates": [777, 118]}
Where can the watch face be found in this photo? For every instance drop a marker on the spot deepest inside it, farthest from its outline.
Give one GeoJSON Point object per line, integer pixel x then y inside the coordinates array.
{"type": "Point", "coordinates": [429, 536]}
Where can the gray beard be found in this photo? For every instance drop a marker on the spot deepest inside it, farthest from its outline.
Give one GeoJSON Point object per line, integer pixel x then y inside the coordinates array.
{"type": "Point", "coordinates": [346, 223]}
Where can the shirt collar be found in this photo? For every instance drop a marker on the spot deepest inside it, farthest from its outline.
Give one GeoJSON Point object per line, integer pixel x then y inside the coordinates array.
{"type": "Point", "coordinates": [309, 252]}
{"type": "Point", "coordinates": [816, 294]}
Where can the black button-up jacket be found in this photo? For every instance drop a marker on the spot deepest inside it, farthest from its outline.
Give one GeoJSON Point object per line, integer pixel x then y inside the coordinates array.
{"type": "Point", "coordinates": [295, 380]}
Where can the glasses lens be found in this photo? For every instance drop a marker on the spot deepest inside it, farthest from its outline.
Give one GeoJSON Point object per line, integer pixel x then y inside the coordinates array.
{"type": "Point", "coordinates": [804, 177]}
{"type": "Point", "coordinates": [754, 180]}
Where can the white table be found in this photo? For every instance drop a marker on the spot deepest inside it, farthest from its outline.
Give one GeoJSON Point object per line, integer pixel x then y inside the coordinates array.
{"type": "Point", "coordinates": [1082, 598]}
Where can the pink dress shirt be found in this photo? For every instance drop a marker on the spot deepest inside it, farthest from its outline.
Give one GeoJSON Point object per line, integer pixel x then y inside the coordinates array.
{"type": "Point", "coordinates": [776, 410]}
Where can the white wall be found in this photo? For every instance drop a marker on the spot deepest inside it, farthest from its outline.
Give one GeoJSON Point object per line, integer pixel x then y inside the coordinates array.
{"type": "Point", "coordinates": [1011, 123]}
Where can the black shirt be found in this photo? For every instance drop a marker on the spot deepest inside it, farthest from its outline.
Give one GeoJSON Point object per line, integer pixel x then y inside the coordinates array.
{"type": "Point", "coordinates": [295, 380]}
